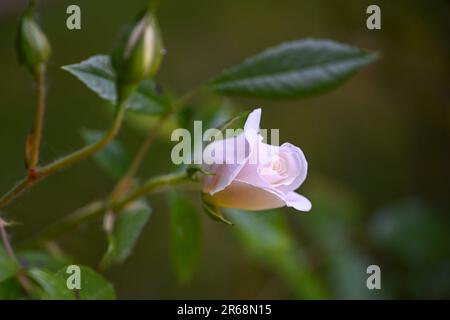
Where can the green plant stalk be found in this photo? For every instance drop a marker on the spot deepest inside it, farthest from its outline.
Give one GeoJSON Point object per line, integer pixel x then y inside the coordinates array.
{"type": "Point", "coordinates": [125, 182]}
{"type": "Point", "coordinates": [123, 185]}
{"type": "Point", "coordinates": [39, 173]}
{"type": "Point", "coordinates": [89, 150]}
{"type": "Point", "coordinates": [97, 209]}
{"type": "Point", "coordinates": [157, 184]}
{"type": "Point", "coordinates": [39, 122]}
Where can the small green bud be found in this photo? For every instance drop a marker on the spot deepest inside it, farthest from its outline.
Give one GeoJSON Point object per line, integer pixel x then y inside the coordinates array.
{"type": "Point", "coordinates": [33, 47]}
{"type": "Point", "coordinates": [139, 53]}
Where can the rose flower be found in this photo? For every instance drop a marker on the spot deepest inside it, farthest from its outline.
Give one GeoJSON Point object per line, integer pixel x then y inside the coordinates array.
{"type": "Point", "coordinates": [248, 174]}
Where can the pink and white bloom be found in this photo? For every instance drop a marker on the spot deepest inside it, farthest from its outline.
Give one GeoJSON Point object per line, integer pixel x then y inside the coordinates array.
{"type": "Point", "coordinates": [257, 177]}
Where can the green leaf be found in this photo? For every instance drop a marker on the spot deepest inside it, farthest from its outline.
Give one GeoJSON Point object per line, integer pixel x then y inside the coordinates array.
{"type": "Point", "coordinates": [41, 260]}
{"type": "Point", "coordinates": [185, 235]}
{"type": "Point", "coordinates": [265, 236]}
{"type": "Point", "coordinates": [212, 210]}
{"type": "Point", "coordinates": [8, 267]}
{"type": "Point", "coordinates": [293, 70]}
{"type": "Point", "coordinates": [127, 229]}
{"type": "Point", "coordinates": [113, 159]}
{"type": "Point", "coordinates": [98, 75]}
{"type": "Point", "coordinates": [93, 285]}
{"type": "Point", "coordinates": [53, 285]}
{"type": "Point", "coordinates": [10, 290]}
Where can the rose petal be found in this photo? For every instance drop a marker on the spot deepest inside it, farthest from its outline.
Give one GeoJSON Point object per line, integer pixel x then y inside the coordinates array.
{"type": "Point", "coordinates": [249, 175]}
{"type": "Point", "coordinates": [231, 165]}
{"type": "Point", "coordinates": [247, 197]}
{"type": "Point", "coordinates": [251, 127]}
{"type": "Point", "coordinates": [297, 201]}
{"type": "Point", "coordinates": [302, 164]}
{"type": "Point", "coordinates": [225, 173]}
{"type": "Point", "coordinates": [253, 121]}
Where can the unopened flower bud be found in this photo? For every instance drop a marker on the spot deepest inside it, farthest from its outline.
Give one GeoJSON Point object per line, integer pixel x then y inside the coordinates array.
{"type": "Point", "coordinates": [32, 45]}
{"type": "Point", "coordinates": [139, 54]}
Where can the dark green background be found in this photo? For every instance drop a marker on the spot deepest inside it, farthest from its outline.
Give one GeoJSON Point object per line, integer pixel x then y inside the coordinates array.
{"type": "Point", "coordinates": [381, 140]}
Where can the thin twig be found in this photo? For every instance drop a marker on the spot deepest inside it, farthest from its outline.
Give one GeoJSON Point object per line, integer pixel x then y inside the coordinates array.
{"type": "Point", "coordinates": [124, 184]}
{"type": "Point", "coordinates": [37, 174]}
{"type": "Point", "coordinates": [97, 209]}
{"type": "Point", "coordinates": [16, 191]}
{"type": "Point", "coordinates": [21, 276]}
{"type": "Point", "coordinates": [39, 122]}
{"type": "Point", "coordinates": [6, 242]}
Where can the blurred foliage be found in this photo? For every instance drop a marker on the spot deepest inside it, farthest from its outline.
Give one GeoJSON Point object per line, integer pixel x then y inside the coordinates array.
{"type": "Point", "coordinates": [265, 235]}
{"type": "Point", "coordinates": [7, 266]}
{"type": "Point", "coordinates": [92, 286]}
{"type": "Point", "coordinates": [113, 159]}
{"type": "Point", "coordinates": [126, 228]}
{"type": "Point", "coordinates": [49, 276]}
{"type": "Point", "coordinates": [186, 235]}
{"type": "Point", "coordinates": [411, 234]}
{"type": "Point", "coordinates": [332, 227]}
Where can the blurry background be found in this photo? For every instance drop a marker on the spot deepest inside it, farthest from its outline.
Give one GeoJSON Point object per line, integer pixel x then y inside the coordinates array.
{"type": "Point", "coordinates": [378, 147]}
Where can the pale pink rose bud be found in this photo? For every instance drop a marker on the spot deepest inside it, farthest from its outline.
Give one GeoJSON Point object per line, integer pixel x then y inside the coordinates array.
{"type": "Point", "coordinates": [252, 175]}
